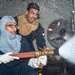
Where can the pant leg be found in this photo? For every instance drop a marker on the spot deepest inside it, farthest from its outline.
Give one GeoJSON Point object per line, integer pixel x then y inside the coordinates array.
{"type": "Point", "coordinates": [18, 69]}
{"type": "Point", "coordinates": [27, 70]}
{"type": "Point", "coordinates": [14, 70]}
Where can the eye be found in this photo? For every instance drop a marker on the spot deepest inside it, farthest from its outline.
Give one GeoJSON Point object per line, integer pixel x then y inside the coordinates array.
{"type": "Point", "coordinates": [12, 26]}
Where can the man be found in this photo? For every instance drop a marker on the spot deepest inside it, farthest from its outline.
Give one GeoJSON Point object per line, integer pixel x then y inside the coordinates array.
{"type": "Point", "coordinates": [13, 43]}
{"type": "Point", "coordinates": [30, 28]}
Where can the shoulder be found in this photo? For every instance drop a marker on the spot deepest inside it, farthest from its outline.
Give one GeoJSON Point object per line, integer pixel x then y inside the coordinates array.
{"type": "Point", "coordinates": [20, 16]}
{"type": "Point", "coordinates": [40, 26]}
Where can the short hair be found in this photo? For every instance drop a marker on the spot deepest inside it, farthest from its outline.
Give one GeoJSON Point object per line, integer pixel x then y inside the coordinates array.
{"type": "Point", "coordinates": [33, 5]}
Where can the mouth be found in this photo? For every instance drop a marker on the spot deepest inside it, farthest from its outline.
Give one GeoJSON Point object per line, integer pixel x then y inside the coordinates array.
{"type": "Point", "coordinates": [13, 32]}
{"type": "Point", "coordinates": [33, 19]}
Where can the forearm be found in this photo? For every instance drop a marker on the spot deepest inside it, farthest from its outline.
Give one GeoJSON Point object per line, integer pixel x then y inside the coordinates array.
{"type": "Point", "coordinates": [39, 37]}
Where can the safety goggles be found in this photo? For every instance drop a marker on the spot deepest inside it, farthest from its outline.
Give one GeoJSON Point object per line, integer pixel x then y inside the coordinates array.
{"type": "Point", "coordinates": [12, 26]}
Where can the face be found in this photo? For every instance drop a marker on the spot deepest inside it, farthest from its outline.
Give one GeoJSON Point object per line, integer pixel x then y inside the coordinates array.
{"type": "Point", "coordinates": [11, 27]}
{"type": "Point", "coordinates": [32, 15]}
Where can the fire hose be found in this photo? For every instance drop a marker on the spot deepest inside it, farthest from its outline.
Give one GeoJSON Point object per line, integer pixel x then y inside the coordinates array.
{"type": "Point", "coordinates": [34, 54]}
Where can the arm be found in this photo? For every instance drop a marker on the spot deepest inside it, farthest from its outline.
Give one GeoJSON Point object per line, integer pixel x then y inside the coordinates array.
{"type": "Point", "coordinates": [39, 37]}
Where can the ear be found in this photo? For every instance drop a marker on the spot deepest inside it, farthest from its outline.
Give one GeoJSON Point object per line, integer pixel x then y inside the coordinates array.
{"type": "Point", "coordinates": [26, 12]}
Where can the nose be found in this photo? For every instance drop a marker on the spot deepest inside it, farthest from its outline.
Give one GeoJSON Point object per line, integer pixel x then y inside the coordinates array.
{"type": "Point", "coordinates": [35, 16]}
{"type": "Point", "coordinates": [14, 29]}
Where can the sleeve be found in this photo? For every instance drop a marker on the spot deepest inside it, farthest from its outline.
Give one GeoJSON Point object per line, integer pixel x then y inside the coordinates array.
{"type": "Point", "coordinates": [39, 37]}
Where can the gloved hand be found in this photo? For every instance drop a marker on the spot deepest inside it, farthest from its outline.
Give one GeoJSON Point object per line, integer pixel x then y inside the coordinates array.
{"type": "Point", "coordinates": [36, 62]}
{"type": "Point", "coordinates": [5, 58]}
{"type": "Point", "coordinates": [42, 60]}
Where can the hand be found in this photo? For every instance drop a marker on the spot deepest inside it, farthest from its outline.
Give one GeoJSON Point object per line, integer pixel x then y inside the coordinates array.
{"type": "Point", "coordinates": [36, 62]}
{"type": "Point", "coordinates": [46, 48]}
{"type": "Point", "coordinates": [42, 60]}
{"type": "Point", "coordinates": [5, 58]}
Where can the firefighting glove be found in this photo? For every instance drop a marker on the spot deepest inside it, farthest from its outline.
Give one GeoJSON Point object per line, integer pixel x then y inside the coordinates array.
{"type": "Point", "coordinates": [36, 62]}
{"type": "Point", "coordinates": [5, 58]}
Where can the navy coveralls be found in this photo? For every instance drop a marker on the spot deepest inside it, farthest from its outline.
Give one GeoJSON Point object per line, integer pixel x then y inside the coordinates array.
{"type": "Point", "coordinates": [18, 67]}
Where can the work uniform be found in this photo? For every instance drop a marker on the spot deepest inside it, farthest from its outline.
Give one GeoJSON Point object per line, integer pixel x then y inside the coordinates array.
{"type": "Point", "coordinates": [18, 67]}
{"type": "Point", "coordinates": [30, 31]}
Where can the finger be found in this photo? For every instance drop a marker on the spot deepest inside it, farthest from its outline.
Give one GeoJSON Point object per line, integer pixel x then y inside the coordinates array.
{"type": "Point", "coordinates": [15, 57]}
{"type": "Point", "coordinates": [47, 48]}
{"type": "Point", "coordinates": [9, 53]}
